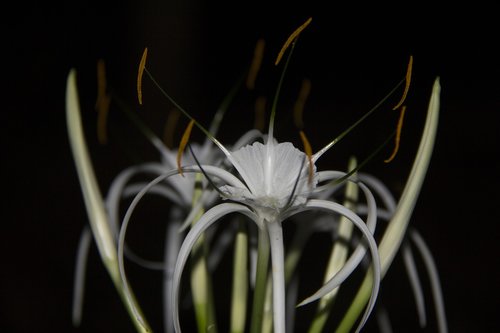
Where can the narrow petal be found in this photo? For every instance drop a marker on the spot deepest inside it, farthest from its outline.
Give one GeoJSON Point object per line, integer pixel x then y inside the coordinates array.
{"type": "Point", "coordinates": [383, 321]}
{"type": "Point", "coordinates": [127, 291]}
{"type": "Point", "coordinates": [172, 246]}
{"type": "Point", "coordinates": [79, 281]}
{"type": "Point", "coordinates": [347, 269]}
{"type": "Point", "coordinates": [209, 218]}
{"type": "Point", "coordinates": [434, 278]}
{"type": "Point", "coordinates": [415, 284]}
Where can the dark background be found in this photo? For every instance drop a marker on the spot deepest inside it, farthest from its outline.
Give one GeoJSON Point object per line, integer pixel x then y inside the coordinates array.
{"type": "Point", "coordinates": [353, 57]}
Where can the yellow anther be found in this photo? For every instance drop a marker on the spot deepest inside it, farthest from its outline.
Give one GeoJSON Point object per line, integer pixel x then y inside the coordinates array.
{"type": "Point", "coordinates": [102, 103]}
{"type": "Point", "coordinates": [140, 72]}
{"type": "Point", "coordinates": [256, 63]}
{"type": "Point", "coordinates": [308, 151]}
{"type": "Point", "coordinates": [298, 108]}
{"type": "Point", "coordinates": [169, 129]}
{"type": "Point", "coordinates": [398, 135]}
{"type": "Point", "coordinates": [292, 38]}
{"type": "Point", "coordinates": [182, 145]}
{"type": "Point", "coordinates": [260, 112]}
{"type": "Point", "coordinates": [407, 83]}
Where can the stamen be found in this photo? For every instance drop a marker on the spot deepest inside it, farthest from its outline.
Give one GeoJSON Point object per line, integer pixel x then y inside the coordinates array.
{"type": "Point", "coordinates": [292, 194]}
{"type": "Point", "coordinates": [182, 145]}
{"type": "Point", "coordinates": [256, 63]}
{"type": "Point", "coordinates": [169, 129]}
{"type": "Point", "coordinates": [102, 103]}
{"type": "Point", "coordinates": [398, 135]}
{"type": "Point", "coordinates": [260, 111]}
{"type": "Point", "coordinates": [203, 129]}
{"type": "Point", "coordinates": [407, 83]}
{"type": "Point", "coordinates": [298, 108]}
{"type": "Point", "coordinates": [363, 163]}
{"type": "Point", "coordinates": [308, 151]}
{"type": "Point", "coordinates": [142, 66]}
{"type": "Point", "coordinates": [290, 39]}
{"type": "Point", "coordinates": [293, 38]}
{"type": "Point", "coordinates": [210, 181]}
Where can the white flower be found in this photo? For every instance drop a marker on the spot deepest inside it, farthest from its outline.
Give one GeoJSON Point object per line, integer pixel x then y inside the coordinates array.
{"type": "Point", "coordinates": [272, 183]}
{"type": "Point", "coordinates": [276, 185]}
{"type": "Point", "coordinates": [275, 176]}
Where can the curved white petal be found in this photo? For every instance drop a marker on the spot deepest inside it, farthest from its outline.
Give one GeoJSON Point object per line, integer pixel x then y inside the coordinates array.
{"type": "Point", "coordinates": [416, 286]}
{"type": "Point", "coordinates": [209, 218]}
{"type": "Point", "coordinates": [121, 242]}
{"type": "Point", "coordinates": [217, 172]}
{"type": "Point", "coordinates": [116, 189]}
{"type": "Point", "coordinates": [347, 269]}
{"type": "Point", "coordinates": [79, 280]}
{"type": "Point", "coordinates": [380, 189]}
{"type": "Point", "coordinates": [434, 278]}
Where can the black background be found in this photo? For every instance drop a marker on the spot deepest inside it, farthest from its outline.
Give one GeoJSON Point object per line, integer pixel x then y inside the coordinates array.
{"type": "Point", "coordinates": [353, 57]}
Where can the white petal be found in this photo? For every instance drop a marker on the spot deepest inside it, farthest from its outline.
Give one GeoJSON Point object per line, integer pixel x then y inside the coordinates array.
{"type": "Point", "coordinates": [347, 269]}
{"type": "Point", "coordinates": [270, 173]}
{"type": "Point", "coordinates": [209, 218]}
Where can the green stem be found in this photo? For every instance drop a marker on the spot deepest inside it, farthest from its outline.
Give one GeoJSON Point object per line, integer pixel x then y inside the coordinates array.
{"type": "Point", "coordinates": [201, 284]}
{"type": "Point", "coordinates": [240, 281]}
{"type": "Point", "coordinates": [259, 296]}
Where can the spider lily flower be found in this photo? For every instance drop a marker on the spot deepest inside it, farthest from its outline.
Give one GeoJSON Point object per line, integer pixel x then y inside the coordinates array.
{"type": "Point", "coordinates": [276, 183]}
{"type": "Point", "coordinates": [269, 183]}
{"type": "Point", "coordinates": [269, 203]}
{"type": "Point", "coordinates": [275, 187]}
{"type": "Point", "coordinates": [104, 214]}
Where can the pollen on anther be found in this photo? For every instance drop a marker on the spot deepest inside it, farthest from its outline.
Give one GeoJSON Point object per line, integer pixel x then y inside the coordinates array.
{"type": "Point", "coordinates": [170, 125]}
{"type": "Point", "coordinates": [407, 84]}
{"type": "Point", "coordinates": [398, 135]}
{"type": "Point", "coordinates": [308, 151]}
{"type": "Point", "coordinates": [256, 63]}
{"type": "Point", "coordinates": [182, 145]}
{"type": "Point", "coordinates": [292, 38]}
{"type": "Point", "coordinates": [102, 103]}
{"type": "Point", "coordinates": [140, 72]}
{"type": "Point", "coordinates": [260, 111]}
{"type": "Point", "coordinates": [298, 108]}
